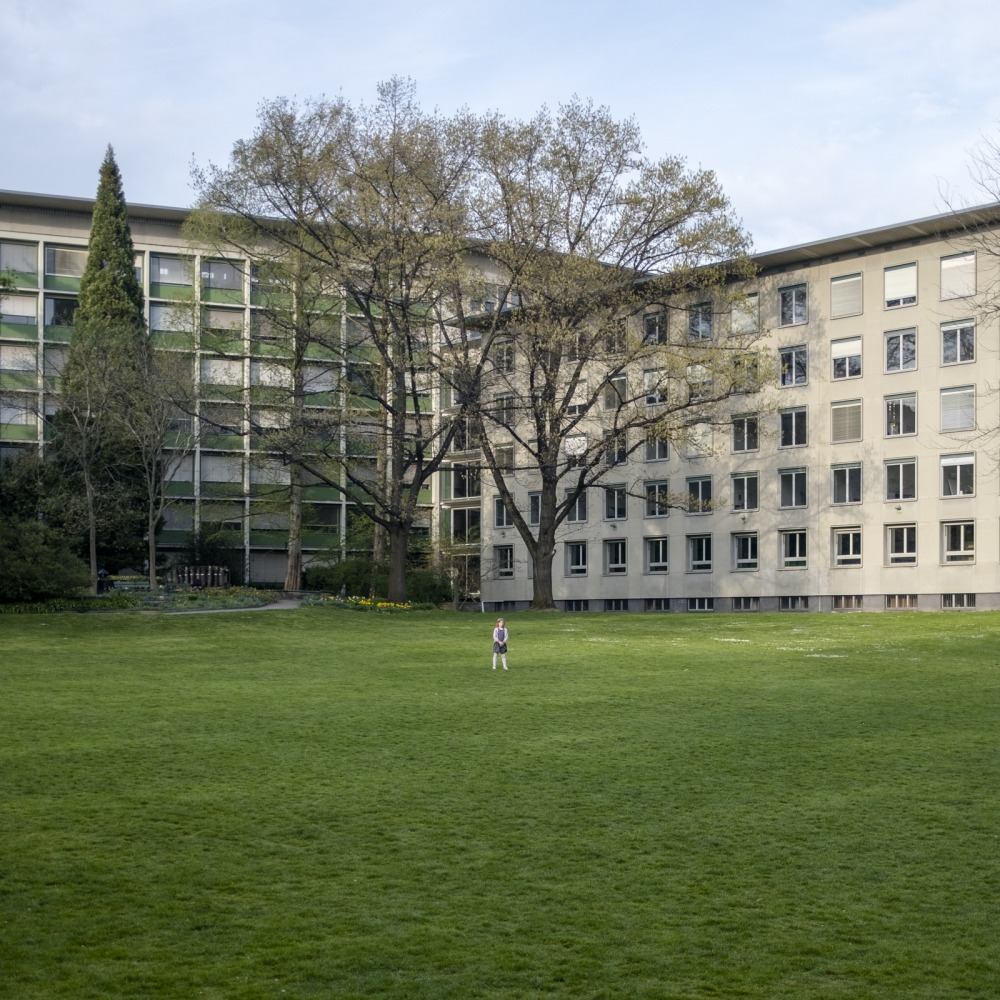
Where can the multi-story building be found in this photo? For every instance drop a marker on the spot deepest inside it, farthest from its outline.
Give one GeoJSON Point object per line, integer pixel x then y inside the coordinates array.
{"type": "Point", "coordinates": [866, 479]}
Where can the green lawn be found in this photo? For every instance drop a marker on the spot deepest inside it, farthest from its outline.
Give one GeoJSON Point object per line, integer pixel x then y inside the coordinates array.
{"type": "Point", "coordinates": [323, 803]}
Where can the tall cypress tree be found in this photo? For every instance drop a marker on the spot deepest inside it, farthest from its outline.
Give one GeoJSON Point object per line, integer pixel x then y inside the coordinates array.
{"type": "Point", "coordinates": [107, 355]}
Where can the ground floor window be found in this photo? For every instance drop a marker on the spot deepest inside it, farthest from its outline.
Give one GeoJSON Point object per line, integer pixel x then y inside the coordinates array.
{"type": "Point", "coordinates": [746, 604]}
{"type": "Point", "coordinates": [657, 603]}
{"type": "Point", "coordinates": [896, 602]}
{"type": "Point", "coordinates": [958, 600]}
{"type": "Point", "coordinates": [577, 605]}
{"type": "Point", "coordinates": [701, 604]}
{"type": "Point", "coordinates": [793, 603]}
{"type": "Point", "coordinates": [616, 604]}
{"type": "Point", "coordinates": [847, 602]}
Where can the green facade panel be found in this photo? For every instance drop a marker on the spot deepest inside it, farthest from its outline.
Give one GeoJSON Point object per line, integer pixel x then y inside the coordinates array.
{"type": "Point", "coordinates": [18, 432]}
{"type": "Point", "coordinates": [19, 331]}
{"type": "Point", "coordinates": [173, 293]}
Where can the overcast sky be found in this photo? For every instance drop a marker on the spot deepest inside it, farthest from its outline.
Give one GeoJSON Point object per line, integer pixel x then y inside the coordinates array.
{"type": "Point", "coordinates": [820, 118]}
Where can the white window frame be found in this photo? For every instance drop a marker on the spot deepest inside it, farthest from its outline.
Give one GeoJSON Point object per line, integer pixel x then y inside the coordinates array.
{"type": "Point", "coordinates": [577, 513]}
{"type": "Point", "coordinates": [846, 421]}
{"type": "Point", "coordinates": [654, 386]}
{"type": "Point", "coordinates": [793, 305]}
{"type": "Point", "coordinates": [657, 448]}
{"type": "Point", "coordinates": [746, 433]}
{"type": "Point", "coordinates": [576, 558]}
{"type": "Point", "coordinates": [502, 518]}
{"type": "Point", "coordinates": [503, 561]}
{"type": "Point", "coordinates": [958, 475]}
{"type": "Point", "coordinates": [534, 507]}
{"type": "Point", "coordinates": [615, 556]}
{"type": "Point", "coordinates": [797, 482]}
{"type": "Point", "coordinates": [700, 321]}
{"type": "Point", "coordinates": [958, 338]}
{"type": "Point", "coordinates": [847, 546]}
{"type": "Point", "coordinates": [615, 502]}
{"type": "Point", "coordinates": [846, 483]}
{"type": "Point", "coordinates": [788, 419]}
{"type": "Point", "coordinates": [656, 501]}
{"type": "Point", "coordinates": [904, 403]}
{"type": "Point", "coordinates": [741, 492]}
{"type": "Point", "coordinates": [900, 464]}
{"type": "Point", "coordinates": [958, 542]}
{"type": "Point", "coordinates": [958, 275]}
{"type": "Point", "coordinates": [793, 549]}
{"type": "Point", "coordinates": [699, 553]}
{"type": "Point", "coordinates": [846, 295]}
{"type": "Point", "coordinates": [845, 358]}
{"type": "Point", "coordinates": [746, 551]}
{"type": "Point", "coordinates": [958, 409]}
{"type": "Point", "coordinates": [657, 555]}
{"type": "Point", "coordinates": [794, 365]}
{"type": "Point", "coordinates": [897, 341]}
{"type": "Point", "coordinates": [900, 285]}
{"type": "Point", "coordinates": [901, 544]}
{"type": "Point", "coordinates": [699, 491]}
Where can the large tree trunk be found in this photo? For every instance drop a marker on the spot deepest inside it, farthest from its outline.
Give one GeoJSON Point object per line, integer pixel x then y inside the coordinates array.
{"type": "Point", "coordinates": [293, 565]}
{"type": "Point", "coordinates": [398, 537]}
{"type": "Point", "coordinates": [543, 557]}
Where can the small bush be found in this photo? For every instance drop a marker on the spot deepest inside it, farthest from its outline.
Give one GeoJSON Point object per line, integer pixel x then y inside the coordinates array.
{"type": "Point", "coordinates": [36, 563]}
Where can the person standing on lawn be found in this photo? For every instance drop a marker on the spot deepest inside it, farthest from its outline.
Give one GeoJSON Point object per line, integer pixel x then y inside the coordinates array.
{"type": "Point", "coordinates": [500, 643]}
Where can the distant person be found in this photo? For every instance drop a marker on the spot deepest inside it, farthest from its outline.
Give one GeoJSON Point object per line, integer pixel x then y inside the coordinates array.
{"type": "Point", "coordinates": [500, 643]}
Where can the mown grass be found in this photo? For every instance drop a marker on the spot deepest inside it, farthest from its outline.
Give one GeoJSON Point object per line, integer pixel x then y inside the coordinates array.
{"type": "Point", "coordinates": [328, 804]}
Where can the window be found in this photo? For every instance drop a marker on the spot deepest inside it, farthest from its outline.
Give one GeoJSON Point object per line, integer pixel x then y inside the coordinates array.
{"type": "Point", "coordinates": [65, 263]}
{"type": "Point", "coordinates": [954, 601]}
{"type": "Point", "coordinates": [901, 479]}
{"type": "Point", "coordinates": [793, 427]}
{"type": "Point", "coordinates": [794, 370]}
{"type": "Point", "coordinates": [900, 286]}
{"type": "Point", "coordinates": [699, 495]}
{"type": "Point", "coordinates": [900, 350]}
{"type": "Point", "coordinates": [222, 371]}
{"type": "Point", "coordinates": [745, 491]}
{"type": "Point", "coordinates": [746, 604]}
{"type": "Point", "coordinates": [503, 561]}
{"type": "Point", "coordinates": [615, 447]}
{"type": "Point", "coordinates": [846, 356]}
{"type": "Point", "coordinates": [319, 378]}
{"type": "Point", "coordinates": [227, 320]}
{"type": "Point", "coordinates": [793, 603]}
{"type": "Point", "coordinates": [578, 401]}
{"type": "Point", "coordinates": [503, 356]}
{"type": "Point", "coordinates": [958, 275]}
{"type": "Point", "coordinates": [847, 602]}
{"type": "Point", "coordinates": [502, 518]}
{"type": "Point", "coordinates": [901, 544]}
{"type": "Point", "coordinates": [221, 274]}
{"type": "Point", "coordinates": [899, 602]}
{"type": "Point", "coordinates": [958, 342]}
{"type": "Point", "coordinates": [745, 315]}
{"type": "Point", "coordinates": [958, 475]}
{"type": "Point", "coordinates": [700, 382]}
{"type": "Point", "coordinates": [222, 418]}
{"type": "Point", "coordinates": [901, 415]}
{"type": "Point", "coordinates": [845, 421]}
{"type": "Point", "coordinates": [20, 309]}
{"type": "Point", "coordinates": [503, 455]}
{"type": "Point", "coordinates": [616, 604]}
{"type": "Point", "coordinates": [221, 468]}
{"type": "Point", "coordinates": [169, 270]}
{"type": "Point", "coordinates": [654, 385]}
{"type": "Point", "coordinates": [577, 605]}
{"type": "Point", "coordinates": [166, 318]}
{"type": "Point", "coordinates": [699, 553]}
{"type": "Point", "coordinates": [700, 321]}
{"type": "Point", "coordinates": [958, 408]}
{"type": "Point", "coordinates": [534, 508]}
{"type": "Point", "coordinates": [793, 549]}
{"type": "Point", "coordinates": [59, 311]}
{"type": "Point", "coordinates": [745, 437]}
{"type": "Point", "coordinates": [845, 296]}
{"type": "Point", "coordinates": [578, 508]}
{"type": "Point", "coordinates": [958, 541]}
{"type": "Point", "coordinates": [792, 484]}
{"type": "Point", "coordinates": [701, 604]}
{"type": "Point", "coordinates": [15, 410]}
{"type": "Point", "coordinates": [657, 560]}
{"type": "Point", "coordinates": [614, 503]}
{"type": "Point", "coordinates": [657, 447]}
{"type": "Point", "coordinates": [576, 558]}
{"type": "Point", "coordinates": [616, 336]}
{"type": "Point", "coordinates": [18, 358]}
{"type": "Point", "coordinates": [657, 498]}
{"type": "Point", "coordinates": [466, 482]}
{"type": "Point", "coordinates": [745, 551]}
{"type": "Point", "coordinates": [847, 483]}
{"type": "Point", "coordinates": [615, 392]}
{"type": "Point", "coordinates": [267, 373]}
{"type": "Point", "coordinates": [792, 306]}
{"type": "Point", "coordinates": [503, 409]}
{"type": "Point", "coordinates": [657, 603]}
{"type": "Point", "coordinates": [615, 557]}
{"type": "Point", "coordinates": [697, 440]}
{"type": "Point", "coordinates": [847, 546]}
{"type": "Point", "coordinates": [19, 258]}
{"type": "Point", "coordinates": [654, 328]}
{"type": "Point", "coordinates": [465, 525]}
